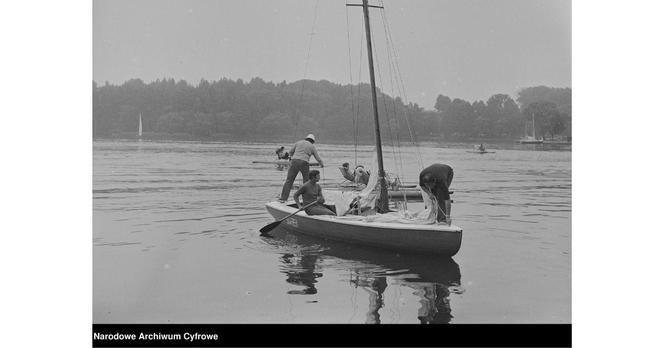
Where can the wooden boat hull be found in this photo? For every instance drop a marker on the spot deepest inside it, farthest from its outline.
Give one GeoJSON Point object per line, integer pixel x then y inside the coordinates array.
{"type": "Point", "coordinates": [439, 239]}
{"type": "Point", "coordinates": [481, 152]}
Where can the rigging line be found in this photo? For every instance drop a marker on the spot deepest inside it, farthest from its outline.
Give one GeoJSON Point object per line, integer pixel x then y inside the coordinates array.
{"type": "Point", "coordinates": [386, 112]}
{"type": "Point", "coordinates": [350, 72]}
{"type": "Point", "coordinates": [356, 115]}
{"type": "Point", "coordinates": [388, 33]}
{"type": "Point", "coordinates": [306, 68]}
{"type": "Point", "coordinates": [359, 96]}
{"type": "Point", "coordinates": [398, 161]}
{"type": "Point", "coordinates": [387, 117]}
{"type": "Point", "coordinates": [403, 88]}
{"type": "Point", "coordinates": [392, 83]}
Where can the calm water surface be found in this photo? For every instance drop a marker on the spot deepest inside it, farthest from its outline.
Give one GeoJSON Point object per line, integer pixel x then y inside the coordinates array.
{"type": "Point", "coordinates": [176, 240]}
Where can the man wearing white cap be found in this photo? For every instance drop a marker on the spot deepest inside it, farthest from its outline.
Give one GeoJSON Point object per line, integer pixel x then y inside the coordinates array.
{"type": "Point", "coordinates": [300, 153]}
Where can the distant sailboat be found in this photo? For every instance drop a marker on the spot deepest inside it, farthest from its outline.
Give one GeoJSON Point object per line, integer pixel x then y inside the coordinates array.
{"type": "Point", "coordinates": [140, 125]}
{"type": "Point", "coordinates": [528, 139]}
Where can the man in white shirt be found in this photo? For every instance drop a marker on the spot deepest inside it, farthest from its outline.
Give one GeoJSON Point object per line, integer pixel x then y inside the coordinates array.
{"type": "Point", "coordinates": [300, 153]}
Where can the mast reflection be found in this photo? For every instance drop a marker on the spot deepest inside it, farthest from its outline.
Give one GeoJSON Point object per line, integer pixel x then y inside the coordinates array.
{"type": "Point", "coordinates": [435, 305]}
{"type": "Point", "coordinates": [375, 287]}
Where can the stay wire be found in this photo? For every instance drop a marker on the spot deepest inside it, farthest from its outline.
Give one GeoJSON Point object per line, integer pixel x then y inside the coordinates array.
{"type": "Point", "coordinates": [382, 95]}
{"type": "Point", "coordinates": [359, 97]}
{"type": "Point", "coordinates": [306, 69]}
{"type": "Point", "coordinates": [357, 111]}
{"type": "Point", "coordinates": [394, 104]}
{"type": "Point", "coordinates": [402, 87]}
{"type": "Point", "coordinates": [350, 72]}
{"type": "Point", "coordinates": [386, 111]}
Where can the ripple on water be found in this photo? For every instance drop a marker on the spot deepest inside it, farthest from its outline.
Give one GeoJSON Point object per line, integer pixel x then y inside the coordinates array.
{"type": "Point", "coordinates": [115, 244]}
{"type": "Point", "coordinates": [181, 195]}
{"type": "Point", "coordinates": [202, 232]}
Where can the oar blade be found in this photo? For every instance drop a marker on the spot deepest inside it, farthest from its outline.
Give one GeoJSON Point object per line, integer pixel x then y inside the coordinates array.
{"type": "Point", "coordinates": [269, 227]}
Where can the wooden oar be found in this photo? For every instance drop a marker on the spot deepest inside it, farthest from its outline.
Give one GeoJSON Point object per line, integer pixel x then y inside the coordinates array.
{"type": "Point", "coordinates": [272, 225]}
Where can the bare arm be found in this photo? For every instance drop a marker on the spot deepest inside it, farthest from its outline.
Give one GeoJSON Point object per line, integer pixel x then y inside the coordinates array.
{"type": "Point", "coordinates": [345, 172]}
{"type": "Point", "coordinates": [297, 194]}
{"type": "Point", "coordinates": [320, 161]}
{"type": "Point", "coordinates": [321, 199]}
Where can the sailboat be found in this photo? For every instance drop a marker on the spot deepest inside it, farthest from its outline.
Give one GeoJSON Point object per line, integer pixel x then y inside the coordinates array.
{"type": "Point", "coordinates": [400, 231]}
{"type": "Point", "coordinates": [527, 139]}
{"type": "Point", "coordinates": [140, 125]}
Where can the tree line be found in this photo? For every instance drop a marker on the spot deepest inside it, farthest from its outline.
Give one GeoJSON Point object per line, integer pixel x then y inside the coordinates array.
{"type": "Point", "coordinates": [259, 110]}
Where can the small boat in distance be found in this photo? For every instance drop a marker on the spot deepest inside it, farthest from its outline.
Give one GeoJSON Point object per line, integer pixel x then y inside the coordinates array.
{"type": "Point", "coordinates": [140, 125]}
{"type": "Point", "coordinates": [481, 150]}
{"type": "Point", "coordinates": [528, 139]}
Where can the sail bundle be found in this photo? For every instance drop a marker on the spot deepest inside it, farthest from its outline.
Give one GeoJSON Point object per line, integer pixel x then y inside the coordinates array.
{"type": "Point", "coordinates": [361, 206]}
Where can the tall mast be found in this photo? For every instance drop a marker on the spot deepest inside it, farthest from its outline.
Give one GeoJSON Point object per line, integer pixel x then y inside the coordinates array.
{"type": "Point", "coordinates": [381, 203]}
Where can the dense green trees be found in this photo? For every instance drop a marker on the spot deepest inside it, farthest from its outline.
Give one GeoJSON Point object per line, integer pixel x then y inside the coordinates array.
{"type": "Point", "coordinates": [255, 110]}
{"type": "Point", "coordinates": [552, 108]}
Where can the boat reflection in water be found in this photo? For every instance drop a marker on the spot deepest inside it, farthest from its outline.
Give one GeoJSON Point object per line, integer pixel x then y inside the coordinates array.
{"type": "Point", "coordinates": [301, 272]}
{"type": "Point", "coordinates": [305, 258]}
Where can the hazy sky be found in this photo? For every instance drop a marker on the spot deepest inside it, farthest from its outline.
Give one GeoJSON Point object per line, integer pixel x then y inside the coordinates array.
{"type": "Point", "coordinates": [467, 49]}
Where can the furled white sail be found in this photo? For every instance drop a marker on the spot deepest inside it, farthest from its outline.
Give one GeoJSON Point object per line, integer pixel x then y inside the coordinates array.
{"type": "Point", "coordinates": [367, 199]}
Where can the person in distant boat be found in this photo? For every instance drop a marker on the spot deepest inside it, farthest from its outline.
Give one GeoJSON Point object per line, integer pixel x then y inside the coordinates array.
{"type": "Point", "coordinates": [435, 180]}
{"type": "Point", "coordinates": [481, 147]}
{"type": "Point", "coordinates": [312, 192]}
{"type": "Point", "coordinates": [282, 154]}
{"type": "Point", "coordinates": [300, 153]}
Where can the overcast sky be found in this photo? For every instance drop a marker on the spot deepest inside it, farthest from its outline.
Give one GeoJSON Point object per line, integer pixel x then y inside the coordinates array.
{"type": "Point", "coordinates": [469, 49]}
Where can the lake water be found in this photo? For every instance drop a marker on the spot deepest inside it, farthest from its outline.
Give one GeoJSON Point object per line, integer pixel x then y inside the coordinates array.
{"type": "Point", "coordinates": [175, 235]}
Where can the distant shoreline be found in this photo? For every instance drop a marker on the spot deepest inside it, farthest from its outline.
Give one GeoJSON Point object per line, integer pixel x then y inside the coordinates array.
{"type": "Point", "coordinates": [277, 140]}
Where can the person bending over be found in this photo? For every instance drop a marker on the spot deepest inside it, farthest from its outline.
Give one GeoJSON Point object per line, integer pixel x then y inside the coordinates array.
{"type": "Point", "coordinates": [312, 192]}
{"type": "Point", "coordinates": [436, 180]}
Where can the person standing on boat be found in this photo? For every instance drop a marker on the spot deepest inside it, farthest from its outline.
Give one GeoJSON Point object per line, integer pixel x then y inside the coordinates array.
{"type": "Point", "coordinates": [312, 192]}
{"type": "Point", "coordinates": [436, 180]}
{"type": "Point", "coordinates": [300, 153]}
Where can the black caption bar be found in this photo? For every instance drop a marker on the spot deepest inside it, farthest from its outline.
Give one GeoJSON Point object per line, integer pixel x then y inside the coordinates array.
{"type": "Point", "coordinates": [332, 335]}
